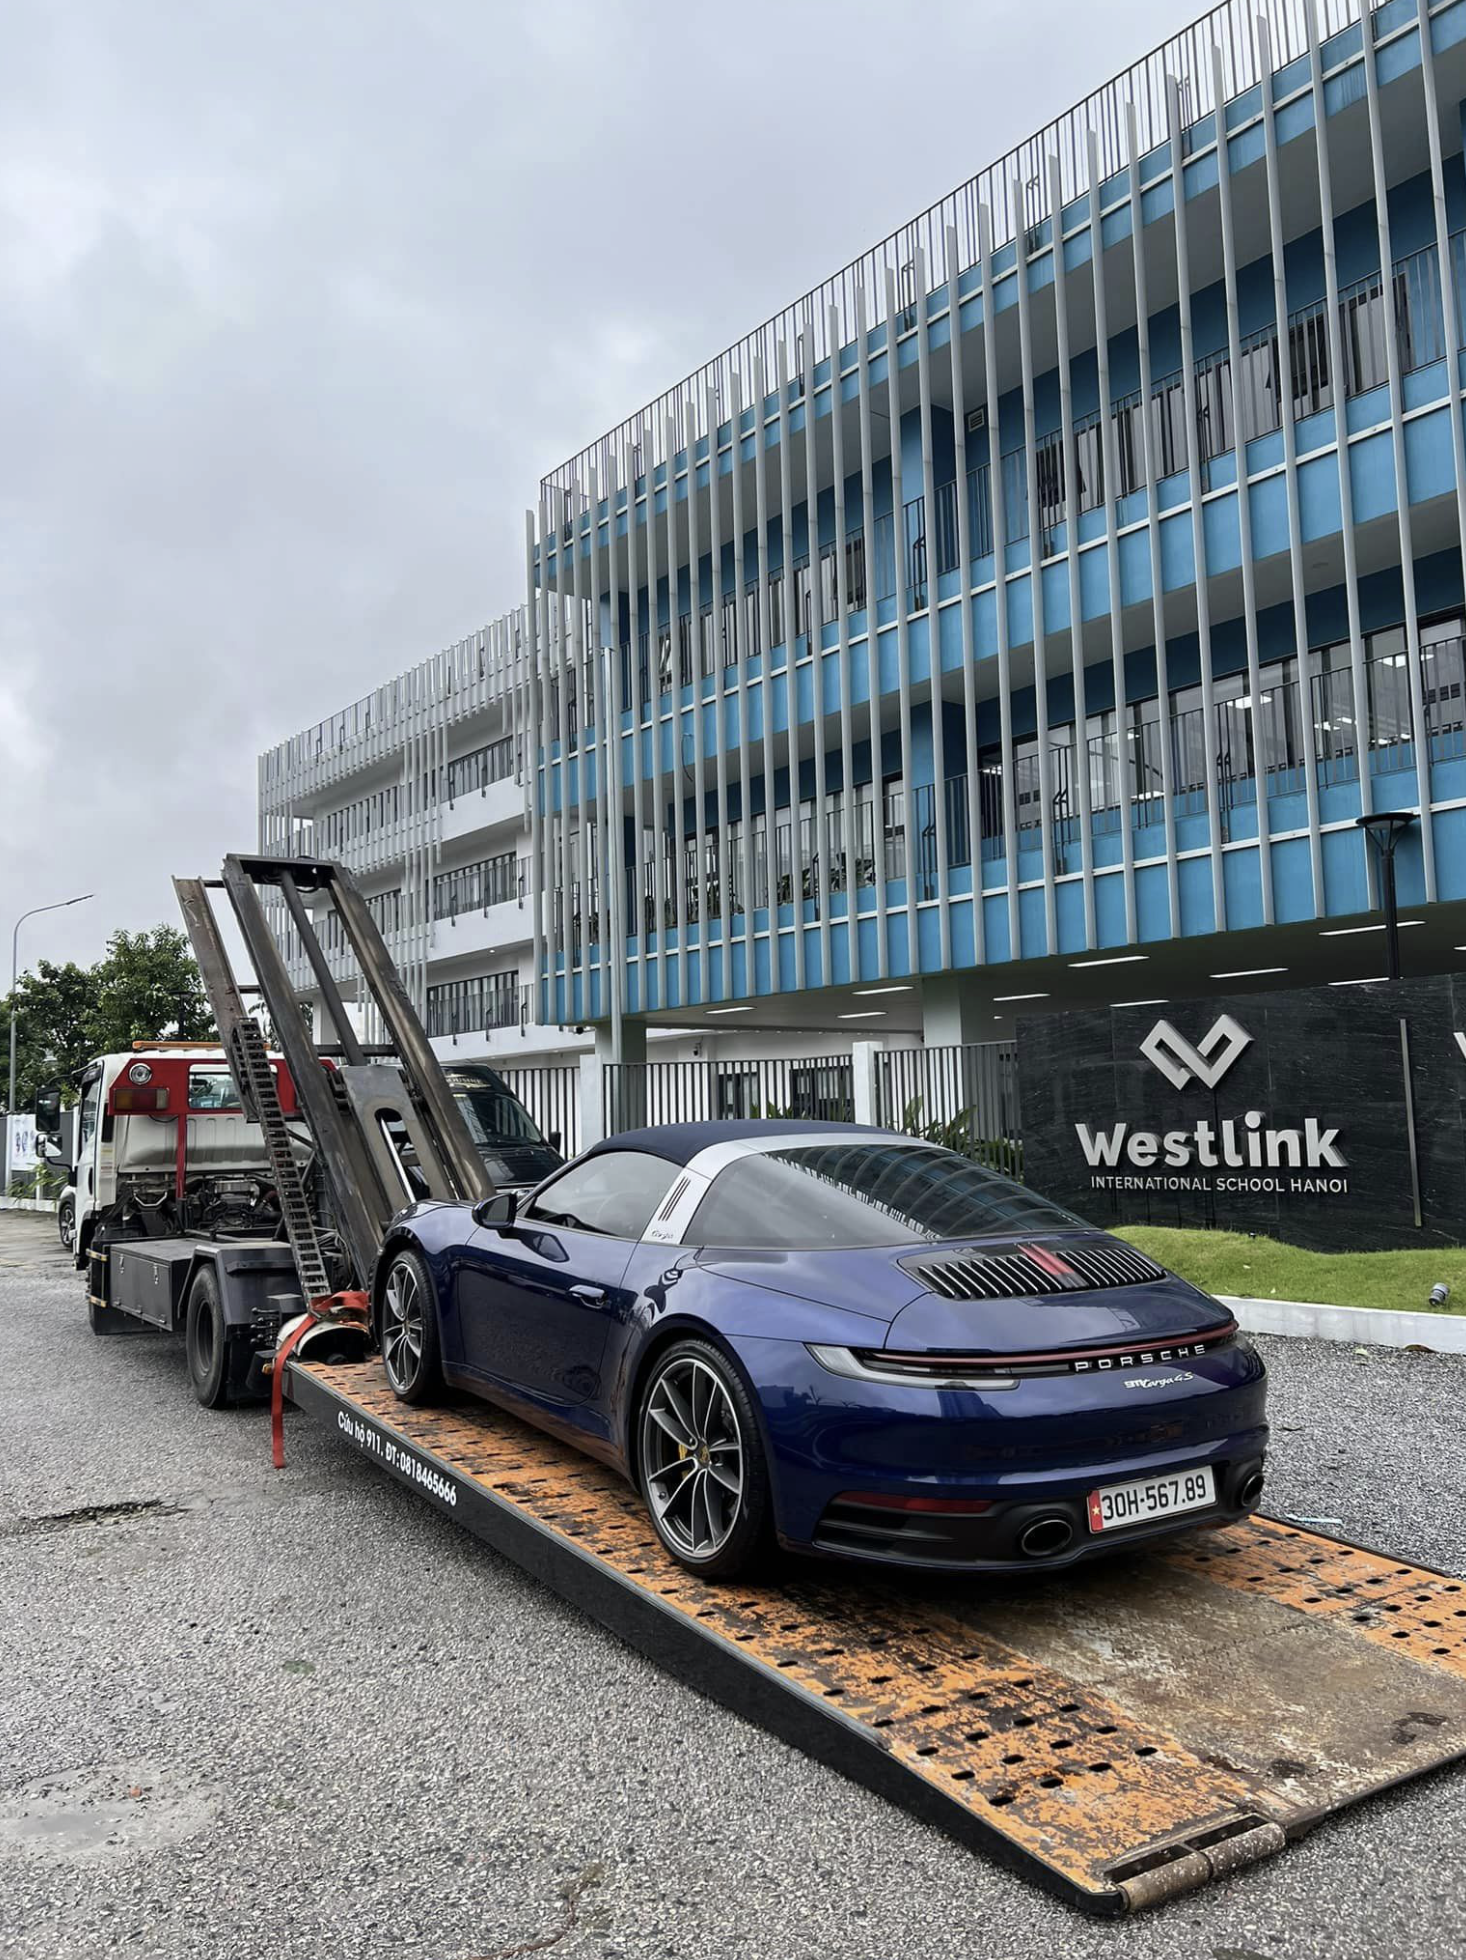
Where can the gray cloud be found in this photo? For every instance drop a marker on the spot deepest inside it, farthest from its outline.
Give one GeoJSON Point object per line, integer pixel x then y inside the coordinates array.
{"type": "Point", "coordinates": [298, 303]}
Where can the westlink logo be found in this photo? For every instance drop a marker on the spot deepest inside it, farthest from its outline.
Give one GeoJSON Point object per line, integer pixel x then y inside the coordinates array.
{"type": "Point", "coordinates": [1216, 1146]}
{"type": "Point", "coordinates": [1145, 1358]}
{"type": "Point", "coordinates": [1207, 1062]}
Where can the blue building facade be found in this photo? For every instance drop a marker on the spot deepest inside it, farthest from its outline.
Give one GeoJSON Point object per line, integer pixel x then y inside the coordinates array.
{"type": "Point", "coordinates": [1051, 591]}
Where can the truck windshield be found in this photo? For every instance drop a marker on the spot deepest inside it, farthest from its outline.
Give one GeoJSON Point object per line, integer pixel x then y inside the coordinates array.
{"type": "Point", "coordinates": [493, 1115]}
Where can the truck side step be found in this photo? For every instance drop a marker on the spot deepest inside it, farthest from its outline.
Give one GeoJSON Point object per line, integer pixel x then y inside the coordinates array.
{"type": "Point", "coordinates": [1122, 1733]}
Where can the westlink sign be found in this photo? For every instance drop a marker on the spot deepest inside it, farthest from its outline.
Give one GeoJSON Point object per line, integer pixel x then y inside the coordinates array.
{"type": "Point", "coordinates": [1295, 1113]}
{"type": "Point", "coordinates": [1309, 1154]}
{"type": "Point", "coordinates": [1218, 1147]}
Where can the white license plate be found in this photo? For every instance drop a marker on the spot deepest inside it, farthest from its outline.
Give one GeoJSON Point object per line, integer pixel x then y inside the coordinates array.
{"type": "Point", "coordinates": [1117, 1505]}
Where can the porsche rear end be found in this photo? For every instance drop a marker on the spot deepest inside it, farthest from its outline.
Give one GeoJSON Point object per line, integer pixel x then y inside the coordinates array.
{"type": "Point", "coordinates": [1030, 1404]}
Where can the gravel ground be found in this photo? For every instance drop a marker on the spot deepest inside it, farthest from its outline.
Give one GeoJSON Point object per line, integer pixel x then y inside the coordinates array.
{"type": "Point", "coordinates": [354, 1732]}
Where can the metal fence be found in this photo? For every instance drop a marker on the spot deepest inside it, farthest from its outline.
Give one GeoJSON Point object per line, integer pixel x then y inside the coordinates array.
{"type": "Point", "coordinates": [551, 1094]}
{"type": "Point", "coordinates": [964, 1097]}
{"type": "Point", "coordinates": [636, 1093]}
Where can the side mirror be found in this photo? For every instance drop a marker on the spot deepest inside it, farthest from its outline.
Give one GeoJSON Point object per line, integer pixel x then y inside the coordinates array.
{"type": "Point", "coordinates": [48, 1112]}
{"type": "Point", "coordinates": [556, 1141]}
{"type": "Point", "coordinates": [498, 1213]}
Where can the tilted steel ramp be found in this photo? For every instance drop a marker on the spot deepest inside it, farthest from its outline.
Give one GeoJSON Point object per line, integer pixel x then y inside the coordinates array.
{"type": "Point", "coordinates": [1122, 1734]}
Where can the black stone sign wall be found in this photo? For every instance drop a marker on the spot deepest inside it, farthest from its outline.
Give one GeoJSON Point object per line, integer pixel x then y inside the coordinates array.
{"type": "Point", "coordinates": [1286, 1113]}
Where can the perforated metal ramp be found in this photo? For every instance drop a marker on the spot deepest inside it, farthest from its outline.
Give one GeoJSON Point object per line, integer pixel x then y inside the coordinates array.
{"type": "Point", "coordinates": [1122, 1735]}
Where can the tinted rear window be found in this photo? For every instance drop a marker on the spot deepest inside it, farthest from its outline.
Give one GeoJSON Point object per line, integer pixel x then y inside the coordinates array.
{"type": "Point", "coordinates": [840, 1194]}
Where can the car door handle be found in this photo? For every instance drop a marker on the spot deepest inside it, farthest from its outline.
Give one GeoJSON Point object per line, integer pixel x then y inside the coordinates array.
{"type": "Point", "coordinates": [589, 1296]}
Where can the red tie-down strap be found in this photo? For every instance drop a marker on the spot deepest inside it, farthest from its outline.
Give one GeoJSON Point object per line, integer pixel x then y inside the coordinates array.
{"type": "Point", "coordinates": [350, 1307]}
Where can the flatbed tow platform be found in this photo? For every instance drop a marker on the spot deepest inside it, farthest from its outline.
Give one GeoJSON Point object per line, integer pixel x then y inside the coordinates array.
{"type": "Point", "coordinates": [1121, 1734]}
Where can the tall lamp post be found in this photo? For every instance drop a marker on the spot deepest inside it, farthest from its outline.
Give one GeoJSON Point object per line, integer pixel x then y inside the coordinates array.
{"type": "Point", "coordinates": [57, 905]}
{"type": "Point", "coordinates": [1387, 827]}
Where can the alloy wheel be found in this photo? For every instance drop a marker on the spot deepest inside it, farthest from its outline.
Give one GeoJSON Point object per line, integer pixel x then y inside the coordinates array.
{"type": "Point", "coordinates": [692, 1458]}
{"type": "Point", "coordinates": [402, 1328]}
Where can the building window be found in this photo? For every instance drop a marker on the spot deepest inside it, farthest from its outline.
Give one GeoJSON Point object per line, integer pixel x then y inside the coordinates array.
{"type": "Point", "coordinates": [1308, 358]}
{"type": "Point", "coordinates": [752, 641]}
{"type": "Point", "coordinates": [728, 631]}
{"type": "Point", "coordinates": [1363, 326]}
{"type": "Point", "coordinates": [915, 528]}
{"type": "Point", "coordinates": [684, 649]}
{"type": "Point", "coordinates": [1049, 472]}
{"type": "Point", "coordinates": [1168, 425]}
{"type": "Point", "coordinates": [1089, 461]}
{"type": "Point", "coordinates": [1129, 445]}
{"type": "Point", "coordinates": [855, 573]}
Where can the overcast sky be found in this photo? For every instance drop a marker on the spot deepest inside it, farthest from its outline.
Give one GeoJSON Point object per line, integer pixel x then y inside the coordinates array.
{"type": "Point", "coordinates": [298, 302]}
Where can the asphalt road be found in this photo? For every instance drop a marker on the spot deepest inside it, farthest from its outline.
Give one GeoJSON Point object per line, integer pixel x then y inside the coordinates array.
{"type": "Point", "coordinates": [297, 1713]}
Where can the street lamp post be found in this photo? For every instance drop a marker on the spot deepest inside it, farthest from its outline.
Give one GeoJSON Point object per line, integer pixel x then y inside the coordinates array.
{"type": "Point", "coordinates": [1387, 827]}
{"type": "Point", "coordinates": [56, 905]}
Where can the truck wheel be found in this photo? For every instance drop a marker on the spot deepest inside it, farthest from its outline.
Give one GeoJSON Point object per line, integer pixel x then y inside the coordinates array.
{"type": "Point", "coordinates": [407, 1325]}
{"type": "Point", "coordinates": [66, 1222]}
{"type": "Point", "coordinates": [207, 1341]}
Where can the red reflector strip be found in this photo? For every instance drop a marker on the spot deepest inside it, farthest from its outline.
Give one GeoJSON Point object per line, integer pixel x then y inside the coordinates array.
{"type": "Point", "coordinates": [129, 1101]}
{"type": "Point", "coordinates": [884, 1500]}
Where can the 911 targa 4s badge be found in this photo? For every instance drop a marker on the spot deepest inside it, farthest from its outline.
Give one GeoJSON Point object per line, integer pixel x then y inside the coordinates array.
{"type": "Point", "coordinates": [853, 1343]}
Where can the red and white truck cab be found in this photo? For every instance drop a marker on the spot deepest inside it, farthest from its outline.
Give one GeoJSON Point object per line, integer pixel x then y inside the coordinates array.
{"type": "Point", "coordinates": [164, 1147]}
{"type": "Point", "coordinates": [177, 1222]}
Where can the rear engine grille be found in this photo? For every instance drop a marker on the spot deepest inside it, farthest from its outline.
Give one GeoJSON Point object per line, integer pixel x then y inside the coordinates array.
{"type": "Point", "coordinates": [1021, 1271]}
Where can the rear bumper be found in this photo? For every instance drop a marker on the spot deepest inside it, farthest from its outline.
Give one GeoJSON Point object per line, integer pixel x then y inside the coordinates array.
{"type": "Point", "coordinates": [1017, 1536]}
{"type": "Point", "coordinates": [1027, 1454]}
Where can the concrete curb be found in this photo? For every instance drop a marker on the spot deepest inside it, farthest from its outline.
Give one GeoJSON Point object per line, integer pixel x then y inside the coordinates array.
{"type": "Point", "coordinates": [1364, 1326]}
{"type": "Point", "coordinates": [29, 1204]}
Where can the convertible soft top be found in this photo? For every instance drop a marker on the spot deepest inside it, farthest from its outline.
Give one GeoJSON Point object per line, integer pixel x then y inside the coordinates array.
{"type": "Point", "coordinates": [679, 1143]}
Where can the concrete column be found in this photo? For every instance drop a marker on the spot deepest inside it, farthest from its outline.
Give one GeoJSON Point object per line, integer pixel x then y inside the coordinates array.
{"type": "Point", "coordinates": [591, 1091]}
{"type": "Point", "coordinates": [865, 1081]}
{"type": "Point", "coordinates": [613, 1098]}
{"type": "Point", "coordinates": [950, 1011]}
{"type": "Point", "coordinates": [633, 1040]}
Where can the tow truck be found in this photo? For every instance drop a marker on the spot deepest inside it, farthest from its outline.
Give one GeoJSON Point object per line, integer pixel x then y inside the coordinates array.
{"type": "Point", "coordinates": [198, 1186]}
{"type": "Point", "coordinates": [1122, 1734]}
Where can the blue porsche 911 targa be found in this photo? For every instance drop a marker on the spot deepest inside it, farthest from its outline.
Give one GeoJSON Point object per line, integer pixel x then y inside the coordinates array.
{"type": "Point", "coordinates": [851, 1341]}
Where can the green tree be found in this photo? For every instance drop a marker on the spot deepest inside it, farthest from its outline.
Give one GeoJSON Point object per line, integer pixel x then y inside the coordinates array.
{"type": "Point", "coordinates": [52, 1007]}
{"type": "Point", "coordinates": [146, 987]}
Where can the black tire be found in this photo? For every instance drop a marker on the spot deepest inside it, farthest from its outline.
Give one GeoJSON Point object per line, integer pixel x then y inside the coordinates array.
{"type": "Point", "coordinates": [408, 1308]}
{"type": "Point", "coordinates": [213, 1358]}
{"type": "Point", "coordinates": [66, 1223]}
{"type": "Point", "coordinates": [737, 1540]}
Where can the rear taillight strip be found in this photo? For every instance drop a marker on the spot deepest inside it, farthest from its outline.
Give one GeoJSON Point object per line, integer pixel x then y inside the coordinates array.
{"type": "Point", "coordinates": [1073, 1361]}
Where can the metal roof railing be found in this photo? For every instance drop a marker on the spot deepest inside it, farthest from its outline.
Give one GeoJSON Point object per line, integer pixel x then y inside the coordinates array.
{"type": "Point", "coordinates": [1015, 190]}
{"type": "Point", "coordinates": [486, 665]}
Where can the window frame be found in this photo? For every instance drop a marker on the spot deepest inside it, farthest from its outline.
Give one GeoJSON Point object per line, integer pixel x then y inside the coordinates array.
{"type": "Point", "coordinates": [599, 1160]}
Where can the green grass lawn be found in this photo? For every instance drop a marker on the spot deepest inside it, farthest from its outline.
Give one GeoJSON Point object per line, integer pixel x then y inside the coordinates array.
{"type": "Point", "coordinates": [1231, 1262]}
